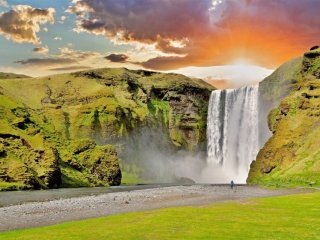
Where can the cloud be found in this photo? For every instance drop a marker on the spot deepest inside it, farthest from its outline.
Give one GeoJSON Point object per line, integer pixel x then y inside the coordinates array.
{"type": "Point", "coordinates": [70, 68]}
{"type": "Point", "coordinates": [41, 50]}
{"type": "Point", "coordinates": [65, 59]}
{"type": "Point", "coordinates": [120, 58]}
{"type": "Point", "coordinates": [228, 76]}
{"type": "Point", "coordinates": [62, 19]}
{"type": "Point", "coordinates": [22, 23]}
{"type": "Point", "coordinates": [125, 21]}
{"type": "Point", "coordinates": [164, 63]}
{"type": "Point", "coordinates": [46, 62]}
{"type": "Point", "coordinates": [4, 3]}
{"type": "Point", "coordinates": [57, 38]}
{"type": "Point", "coordinates": [67, 52]}
{"type": "Point", "coordinates": [206, 32]}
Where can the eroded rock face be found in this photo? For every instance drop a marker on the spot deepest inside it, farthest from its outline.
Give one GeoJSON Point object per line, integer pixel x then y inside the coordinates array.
{"type": "Point", "coordinates": [292, 154]}
{"type": "Point", "coordinates": [188, 118]}
{"type": "Point", "coordinates": [31, 168]}
{"type": "Point", "coordinates": [134, 99]}
{"type": "Point", "coordinates": [101, 161]}
{"type": "Point", "coordinates": [106, 165]}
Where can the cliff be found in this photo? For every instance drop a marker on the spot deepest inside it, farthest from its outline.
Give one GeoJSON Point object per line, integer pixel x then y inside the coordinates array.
{"type": "Point", "coordinates": [292, 155]}
{"type": "Point", "coordinates": [70, 129]}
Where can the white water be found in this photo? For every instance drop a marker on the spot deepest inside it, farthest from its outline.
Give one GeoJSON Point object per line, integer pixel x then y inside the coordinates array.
{"type": "Point", "coordinates": [232, 134]}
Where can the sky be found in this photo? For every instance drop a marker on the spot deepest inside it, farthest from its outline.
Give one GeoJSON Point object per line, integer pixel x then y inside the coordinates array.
{"type": "Point", "coordinates": [219, 40]}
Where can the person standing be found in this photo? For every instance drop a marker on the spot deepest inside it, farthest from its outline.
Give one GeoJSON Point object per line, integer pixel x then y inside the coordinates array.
{"type": "Point", "coordinates": [232, 184]}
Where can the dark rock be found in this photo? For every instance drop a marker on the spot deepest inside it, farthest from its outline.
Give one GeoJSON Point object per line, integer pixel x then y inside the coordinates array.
{"type": "Point", "coordinates": [306, 65]}
{"type": "Point", "coordinates": [314, 47]}
{"type": "Point", "coordinates": [2, 151]}
{"type": "Point", "coordinates": [284, 109]}
{"type": "Point", "coordinates": [316, 74]}
{"type": "Point", "coordinates": [52, 176]}
{"type": "Point", "coordinates": [82, 145]}
{"type": "Point", "coordinates": [312, 54]}
{"type": "Point", "coordinates": [306, 95]}
{"type": "Point", "coordinates": [145, 73]}
{"type": "Point", "coordinates": [8, 135]}
{"type": "Point", "coordinates": [185, 180]}
{"type": "Point", "coordinates": [133, 85]}
{"type": "Point", "coordinates": [92, 75]}
{"type": "Point", "coordinates": [267, 169]}
{"type": "Point", "coordinates": [312, 87]}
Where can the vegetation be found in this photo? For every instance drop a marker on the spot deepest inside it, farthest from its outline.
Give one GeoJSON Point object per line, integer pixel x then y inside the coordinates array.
{"type": "Point", "coordinates": [286, 217]}
{"type": "Point", "coordinates": [292, 155]}
{"type": "Point", "coordinates": [61, 135]}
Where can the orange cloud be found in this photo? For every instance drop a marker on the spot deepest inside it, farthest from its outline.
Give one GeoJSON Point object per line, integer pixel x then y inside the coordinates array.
{"type": "Point", "coordinates": [262, 31]}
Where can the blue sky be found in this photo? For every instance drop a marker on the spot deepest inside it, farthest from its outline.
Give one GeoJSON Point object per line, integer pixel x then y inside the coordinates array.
{"type": "Point", "coordinates": [58, 35]}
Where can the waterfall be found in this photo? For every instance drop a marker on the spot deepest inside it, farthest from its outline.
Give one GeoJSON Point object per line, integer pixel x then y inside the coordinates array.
{"type": "Point", "coordinates": [232, 132]}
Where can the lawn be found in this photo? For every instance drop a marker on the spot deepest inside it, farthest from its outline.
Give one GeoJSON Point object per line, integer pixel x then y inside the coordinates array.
{"type": "Point", "coordinates": [285, 217]}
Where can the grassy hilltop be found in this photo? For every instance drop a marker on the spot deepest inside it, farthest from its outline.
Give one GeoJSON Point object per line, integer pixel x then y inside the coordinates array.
{"type": "Point", "coordinates": [292, 155]}
{"type": "Point", "coordinates": [67, 130]}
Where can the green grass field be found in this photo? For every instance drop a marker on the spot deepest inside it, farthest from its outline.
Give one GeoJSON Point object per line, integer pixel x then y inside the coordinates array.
{"type": "Point", "coordinates": [286, 217]}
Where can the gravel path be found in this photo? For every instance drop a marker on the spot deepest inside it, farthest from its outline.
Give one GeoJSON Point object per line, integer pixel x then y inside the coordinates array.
{"type": "Point", "coordinates": [29, 215]}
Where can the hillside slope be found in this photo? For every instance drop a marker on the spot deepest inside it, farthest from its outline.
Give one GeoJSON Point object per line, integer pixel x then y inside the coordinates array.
{"type": "Point", "coordinates": [68, 129]}
{"type": "Point", "coordinates": [292, 155]}
{"type": "Point", "coordinates": [12, 75]}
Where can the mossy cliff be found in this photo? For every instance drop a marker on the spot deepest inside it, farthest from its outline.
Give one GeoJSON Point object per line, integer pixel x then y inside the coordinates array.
{"type": "Point", "coordinates": [65, 130]}
{"type": "Point", "coordinates": [292, 155]}
{"type": "Point", "coordinates": [272, 90]}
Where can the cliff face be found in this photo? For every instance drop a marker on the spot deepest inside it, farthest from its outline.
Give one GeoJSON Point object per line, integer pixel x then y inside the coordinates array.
{"type": "Point", "coordinates": [67, 130]}
{"type": "Point", "coordinates": [292, 154]}
{"type": "Point", "coordinates": [272, 90]}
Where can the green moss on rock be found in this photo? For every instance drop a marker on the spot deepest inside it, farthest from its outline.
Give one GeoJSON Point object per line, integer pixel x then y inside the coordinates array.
{"type": "Point", "coordinates": [292, 155]}
{"type": "Point", "coordinates": [61, 136]}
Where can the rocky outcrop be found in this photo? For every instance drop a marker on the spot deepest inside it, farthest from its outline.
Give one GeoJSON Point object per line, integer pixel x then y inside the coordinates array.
{"type": "Point", "coordinates": [292, 154]}
{"type": "Point", "coordinates": [26, 160]}
{"type": "Point", "coordinates": [101, 161]}
{"type": "Point", "coordinates": [72, 131]}
{"type": "Point", "coordinates": [31, 168]}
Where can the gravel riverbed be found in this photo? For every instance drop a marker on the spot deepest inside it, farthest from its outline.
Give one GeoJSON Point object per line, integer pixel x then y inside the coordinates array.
{"type": "Point", "coordinates": [37, 214]}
